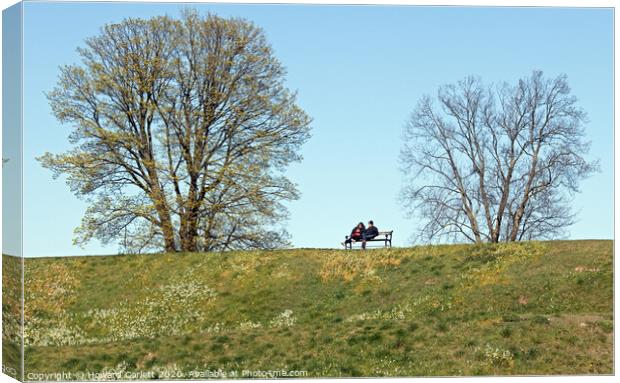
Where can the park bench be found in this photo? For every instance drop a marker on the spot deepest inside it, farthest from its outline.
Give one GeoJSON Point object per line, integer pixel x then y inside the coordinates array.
{"type": "Point", "coordinates": [384, 236]}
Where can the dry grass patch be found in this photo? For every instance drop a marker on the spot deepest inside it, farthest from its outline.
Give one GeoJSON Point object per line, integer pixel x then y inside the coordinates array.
{"type": "Point", "coordinates": [363, 264]}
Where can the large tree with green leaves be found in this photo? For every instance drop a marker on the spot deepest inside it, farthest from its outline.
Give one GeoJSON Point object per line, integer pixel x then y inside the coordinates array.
{"type": "Point", "coordinates": [181, 131]}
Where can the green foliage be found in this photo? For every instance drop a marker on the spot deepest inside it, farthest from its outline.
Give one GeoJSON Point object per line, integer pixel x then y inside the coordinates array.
{"type": "Point", "coordinates": [181, 131]}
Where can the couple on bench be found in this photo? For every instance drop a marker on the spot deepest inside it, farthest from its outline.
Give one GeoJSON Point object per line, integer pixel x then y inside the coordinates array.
{"type": "Point", "coordinates": [362, 233]}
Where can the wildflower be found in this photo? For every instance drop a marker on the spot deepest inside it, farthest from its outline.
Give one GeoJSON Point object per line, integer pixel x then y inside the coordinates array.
{"type": "Point", "coordinates": [285, 319]}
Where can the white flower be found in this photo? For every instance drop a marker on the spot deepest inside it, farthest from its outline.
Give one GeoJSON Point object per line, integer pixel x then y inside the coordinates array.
{"type": "Point", "coordinates": [249, 325]}
{"type": "Point", "coordinates": [285, 319]}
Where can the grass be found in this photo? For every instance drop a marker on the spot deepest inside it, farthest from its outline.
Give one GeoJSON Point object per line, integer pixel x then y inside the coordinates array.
{"type": "Point", "coordinates": [509, 309]}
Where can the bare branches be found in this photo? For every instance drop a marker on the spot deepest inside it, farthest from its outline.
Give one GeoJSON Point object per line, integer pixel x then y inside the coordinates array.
{"type": "Point", "coordinates": [495, 163]}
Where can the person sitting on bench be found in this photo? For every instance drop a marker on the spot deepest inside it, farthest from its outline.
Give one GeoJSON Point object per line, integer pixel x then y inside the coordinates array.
{"type": "Point", "coordinates": [357, 234]}
{"type": "Point", "coordinates": [370, 233]}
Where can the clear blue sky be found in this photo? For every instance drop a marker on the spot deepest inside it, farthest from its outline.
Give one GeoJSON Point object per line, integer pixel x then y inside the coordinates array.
{"type": "Point", "coordinates": [359, 71]}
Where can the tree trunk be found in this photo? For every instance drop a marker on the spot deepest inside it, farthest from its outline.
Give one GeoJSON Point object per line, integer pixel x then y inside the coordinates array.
{"type": "Point", "coordinates": [516, 222]}
{"type": "Point", "coordinates": [168, 232]}
{"type": "Point", "coordinates": [163, 211]}
{"type": "Point", "coordinates": [189, 220]}
{"type": "Point", "coordinates": [190, 231]}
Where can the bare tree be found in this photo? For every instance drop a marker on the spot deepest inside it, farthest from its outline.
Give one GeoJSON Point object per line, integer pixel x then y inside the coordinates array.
{"type": "Point", "coordinates": [495, 163]}
{"type": "Point", "coordinates": [182, 131]}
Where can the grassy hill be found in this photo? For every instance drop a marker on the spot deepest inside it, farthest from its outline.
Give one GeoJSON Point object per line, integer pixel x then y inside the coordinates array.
{"type": "Point", "coordinates": [528, 308]}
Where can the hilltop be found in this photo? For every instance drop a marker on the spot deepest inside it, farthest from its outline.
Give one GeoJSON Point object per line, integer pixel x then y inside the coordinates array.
{"type": "Point", "coordinates": [523, 308]}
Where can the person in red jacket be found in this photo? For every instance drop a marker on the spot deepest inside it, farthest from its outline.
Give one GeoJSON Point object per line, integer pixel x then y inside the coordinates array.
{"type": "Point", "coordinates": [357, 234]}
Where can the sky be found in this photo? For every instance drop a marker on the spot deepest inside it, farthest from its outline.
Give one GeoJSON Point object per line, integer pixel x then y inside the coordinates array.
{"type": "Point", "coordinates": [359, 72]}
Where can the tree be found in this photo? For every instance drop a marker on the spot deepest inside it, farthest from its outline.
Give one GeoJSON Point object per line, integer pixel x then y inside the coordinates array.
{"type": "Point", "coordinates": [182, 130]}
{"type": "Point", "coordinates": [495, 163]}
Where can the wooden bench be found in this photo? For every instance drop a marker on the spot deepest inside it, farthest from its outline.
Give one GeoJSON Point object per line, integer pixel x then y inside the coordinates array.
{"type": "Point", "coordinates": [384, 236]}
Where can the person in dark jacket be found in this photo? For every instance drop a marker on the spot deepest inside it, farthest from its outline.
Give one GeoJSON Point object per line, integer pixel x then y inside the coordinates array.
{"type": "Point", "coordinates": [371, 232]}
{"type": "Point", "coordinates": [357, 234]}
